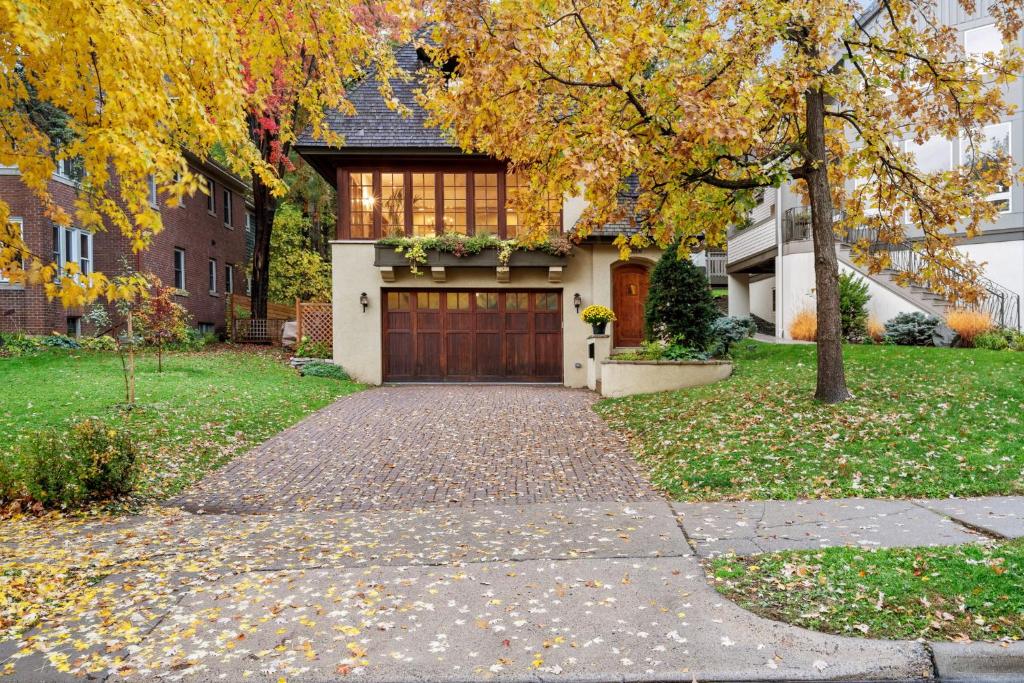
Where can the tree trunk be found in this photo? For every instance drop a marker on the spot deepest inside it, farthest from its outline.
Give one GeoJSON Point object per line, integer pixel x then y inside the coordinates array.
{"type": "Point", "coordinates": [129, 376]}
{"type": "Point", "coordinates": [831, 374]}
{"type": "Point", "coordinates": [264, 205]}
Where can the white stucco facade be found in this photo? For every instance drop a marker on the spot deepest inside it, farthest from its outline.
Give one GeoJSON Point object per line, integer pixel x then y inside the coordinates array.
{"type": "Point", "coordinates": [358, 335]}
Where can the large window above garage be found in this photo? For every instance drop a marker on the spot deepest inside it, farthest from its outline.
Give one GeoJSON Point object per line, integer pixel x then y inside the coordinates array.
{"type": "Point", "coordinates": [421, 202]}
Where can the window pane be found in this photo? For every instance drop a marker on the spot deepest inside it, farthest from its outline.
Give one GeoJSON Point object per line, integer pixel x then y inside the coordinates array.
{"type": "Point", "coordinates": [517, 302]}
{"type": "Point", "coordinates": [979, 41]}
{"type": "Point", "coordinates": [513, 186]}
{"type": "Point", "coordinates": [398, 301]}
{"type": "Point", "coordinates": [487, 300]}
{"type": "Point", "coordinates": [455, 203]}
{"type": "Point", "coordinates": [361, 201]}
{"type": "Point", "coordinates": [457, 301]}
{"type": "Point", "coordinates": [392, 196]}
{"type": "Point", "coordinates": [428, 300]}
{"type": "Point", "coordinates": [994, 146]}
{"type": "Point", "coordinates": [516, 184]}
{"type": "Point", "coordinates": [934, 155]}
{"type": "Point", "coordinates": [547, 301]}
{"type": "Point", "coordinates": [83, 250]}
{"type": "Point", "coordinates": [485, 203]}
{"type": "Point", "coordinates": [424, 204]}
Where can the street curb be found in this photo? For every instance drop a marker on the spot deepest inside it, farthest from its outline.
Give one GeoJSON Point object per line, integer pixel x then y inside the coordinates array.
{"type": "Point", "coordinates": [978, 662]}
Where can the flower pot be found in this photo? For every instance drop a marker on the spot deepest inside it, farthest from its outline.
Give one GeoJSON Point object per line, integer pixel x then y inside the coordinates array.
{"type": "Point", "coordinates": [599, 328]}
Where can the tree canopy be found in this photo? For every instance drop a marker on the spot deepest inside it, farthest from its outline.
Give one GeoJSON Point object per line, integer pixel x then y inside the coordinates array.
{"type": "Point", "coordinates": [140, 83]}
{"type": "Point", "coordinates": [705, 101]}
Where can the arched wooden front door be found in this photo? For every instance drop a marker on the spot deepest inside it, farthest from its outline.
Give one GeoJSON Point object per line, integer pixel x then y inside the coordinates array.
{"type": "Point", "coordinates": [629, 294]}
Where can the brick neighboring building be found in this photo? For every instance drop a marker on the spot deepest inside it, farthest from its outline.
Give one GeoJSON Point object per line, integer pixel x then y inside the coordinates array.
{"type": "Point", "coordinates": [201, 250]}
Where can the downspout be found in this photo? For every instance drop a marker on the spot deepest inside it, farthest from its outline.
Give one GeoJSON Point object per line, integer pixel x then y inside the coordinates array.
{"type": "Point", "coordinates": [780, 330]}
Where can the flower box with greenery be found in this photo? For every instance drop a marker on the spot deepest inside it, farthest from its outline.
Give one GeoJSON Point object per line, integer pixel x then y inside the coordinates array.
{"type": "Point", "coordinates": [453, 249]}
{"type": "Point", "coordinates": [598, 317]}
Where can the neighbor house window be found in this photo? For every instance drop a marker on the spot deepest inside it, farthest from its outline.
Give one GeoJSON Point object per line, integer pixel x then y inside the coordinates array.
{"type": "Point", "coordinates": [179, 269]}
{"type": "Point", "coordinates": [361, 202]}
{"type": "Point", "coordinates": [227, 208]}
{"type": "Point", "coordinates": [994, 145]}
{"type": "Point", "coordinates": [75, 327]}
{"type": "Point", "coordinates": [455, 214]}
{"type": "Point", "coordinates": [21, 229]}
{"type": "Point", "coordinates": [71, 245]}
{"type": "Point", "coordinates": [71, 169]}
{"type": "Point", "coordinates": [213, 276]}
{"type": "Point", "coordinates": [151, 187]}
{"type": "Point", "coordinates": [392, 204]}
{"type": "Point", "coordinates": [211, 198]}
{"type": "Point", "coordinates": [982, 41]}
{"type": "Point", "coordinates": [935, 154]}
{"type": "Point", "coordinates": [424, 204]}
{"type": "Point", "coordinates": [229, 279]}
{"type": "Point", "coordinates": [485, 203]}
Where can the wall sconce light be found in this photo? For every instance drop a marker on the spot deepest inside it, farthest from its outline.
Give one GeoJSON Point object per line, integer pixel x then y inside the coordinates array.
{"type": "Point", "coordinates": [577, 301]}
{"type": "Point", "coordinates": [364, 300]}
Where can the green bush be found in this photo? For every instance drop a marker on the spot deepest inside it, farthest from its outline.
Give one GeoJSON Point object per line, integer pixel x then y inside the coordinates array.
{"type": "Point", "coordinates": [679, 302]}
{"type": "Point", "coordinates": [317, 369]}
{"type": "Point", "coordinates": [61, 341]}
{"type": "Point", "coordinates": [307, 348]}
{"type": "Point", "coordinates": [193, 340]}
{"type": "Point", "coordinates": [103, 343]}
{"type": "Point", "coordinates": [70, 467]}
{"type": "Point", "coordinates": [999, 340]}
{"type": "Point", "coordinates": [853, 307]}
{"type": "Point", "coordinates": [911, 329]}
{"type": "Point", "coordinates": [17, 344]}
{"type": "Point", "coordinates": [728, 330]}
{"type": "Point", "coordinates": [663, 350]}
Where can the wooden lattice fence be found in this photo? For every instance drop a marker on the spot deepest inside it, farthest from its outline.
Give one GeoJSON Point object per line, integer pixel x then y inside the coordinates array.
{"type": "Point", "coordinates": [314, 320]}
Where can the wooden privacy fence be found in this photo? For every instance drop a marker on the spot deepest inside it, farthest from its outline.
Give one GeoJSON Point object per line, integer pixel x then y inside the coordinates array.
{"type": "Point", "coordinates": [314, 320]}
{"type": "Point", "coordinates": [245, 329]}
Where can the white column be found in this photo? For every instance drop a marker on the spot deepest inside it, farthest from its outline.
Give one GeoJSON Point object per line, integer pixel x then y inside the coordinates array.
{"type": "Point", "coordinates": [739, 295]}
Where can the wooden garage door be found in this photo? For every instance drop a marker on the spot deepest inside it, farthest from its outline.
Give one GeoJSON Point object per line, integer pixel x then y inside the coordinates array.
{"type": "Point", "coordinates": [472, 336]}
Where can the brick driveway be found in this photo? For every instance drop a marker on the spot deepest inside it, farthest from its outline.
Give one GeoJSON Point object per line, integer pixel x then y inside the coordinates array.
{"type": "Point", "coordinates": [412, 446]}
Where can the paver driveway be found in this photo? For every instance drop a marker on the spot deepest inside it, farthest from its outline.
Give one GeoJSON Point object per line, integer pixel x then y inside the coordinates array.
{"type": "Point", "coordinates": [409, 446]}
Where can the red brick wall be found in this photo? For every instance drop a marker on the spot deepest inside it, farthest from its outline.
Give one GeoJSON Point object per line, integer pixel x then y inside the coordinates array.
{"type": "Point", "coordinates": [203, 236]}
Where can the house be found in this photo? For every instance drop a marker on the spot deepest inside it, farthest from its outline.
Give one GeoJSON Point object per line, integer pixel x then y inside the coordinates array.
{"type": "Point", "coordinates": [770, 264]}
{"type": "Point", "coordinates": [201, 250]}
{"type": "Point", "coordinates": [462, 319]}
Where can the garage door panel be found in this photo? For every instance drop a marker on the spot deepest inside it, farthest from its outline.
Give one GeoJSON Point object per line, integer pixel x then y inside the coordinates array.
{"type": "Point", "coordinates": [464, 335]}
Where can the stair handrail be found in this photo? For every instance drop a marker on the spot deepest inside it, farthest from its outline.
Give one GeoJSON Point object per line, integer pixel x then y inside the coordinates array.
{"type": "Point", "coordinates": [1001, 303]}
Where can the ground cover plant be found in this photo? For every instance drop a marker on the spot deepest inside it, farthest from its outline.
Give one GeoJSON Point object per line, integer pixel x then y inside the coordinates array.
{"type": "Point", "coordinates": [973, 591]}
{"type": "Point", "coordinates": [924, 422]}
{"type": "Point", "coordinates": [202, 410]}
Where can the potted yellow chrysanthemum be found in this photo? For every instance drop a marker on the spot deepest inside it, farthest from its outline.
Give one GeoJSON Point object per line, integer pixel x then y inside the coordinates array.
{"type": "Point", "coordinates": [598, 317]}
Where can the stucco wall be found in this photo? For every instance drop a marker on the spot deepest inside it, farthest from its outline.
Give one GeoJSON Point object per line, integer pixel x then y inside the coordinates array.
{"type": "Point", "coordinates": [761, 299]}
{"type": "Point", "coordinates": [1004, 262]}
{"type": "Point", "coordinates": [358, 336]}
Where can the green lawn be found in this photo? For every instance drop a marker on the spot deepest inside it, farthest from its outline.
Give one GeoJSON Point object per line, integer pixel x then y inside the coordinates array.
{"type": "Point", "coordinates": [969, 591]}
{"type": "Point", "coordinates": [201, 411]}
{"type": "Point", "coordinates": [924, 422]}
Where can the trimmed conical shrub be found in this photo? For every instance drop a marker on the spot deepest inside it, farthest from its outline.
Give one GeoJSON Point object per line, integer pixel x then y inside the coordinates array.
{"type": "Point", "coordinates": [679, 302]}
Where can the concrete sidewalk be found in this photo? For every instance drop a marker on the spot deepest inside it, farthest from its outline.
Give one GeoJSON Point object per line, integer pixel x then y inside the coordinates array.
{"type": "Point", "coordinates": [575, 592]}
{"type": "Point", "coordinates": [751, 527]}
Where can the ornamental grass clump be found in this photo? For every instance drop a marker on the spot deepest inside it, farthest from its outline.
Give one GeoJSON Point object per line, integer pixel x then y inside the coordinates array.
{"type": "Point", "coordinates": [804, 326]}
{"type": "Point", "coordinates": [969, 324]}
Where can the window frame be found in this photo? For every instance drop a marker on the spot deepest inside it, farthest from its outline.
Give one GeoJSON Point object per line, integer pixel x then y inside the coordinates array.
{"type": "Point", "coordinates": [4, 281]}
{"type": "Point", "coordinates": [471, 170]}
{"type": "Point", "coordinates": [229, 278]}
{"type": "Point", "coordinates": [179, 255]}
{"type": "Point", "coordinates": [228, 208]}
{"type": "Point", "coordinates": [212, 273]}
{"type": "Point", "coordinates": [211, 196]}
{"type": "Point", "coordinates": [68, 249]}
{"type": "Point", "coordinates": [154, 196]}
{"type": "Point", "coordinates": [1006, 194]}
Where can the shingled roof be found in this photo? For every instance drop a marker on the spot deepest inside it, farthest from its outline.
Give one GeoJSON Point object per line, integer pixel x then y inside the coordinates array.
{"type": "Point", "coordinates": [630, 221]}
{"type": "Point", "coordinates": [375, 127]}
